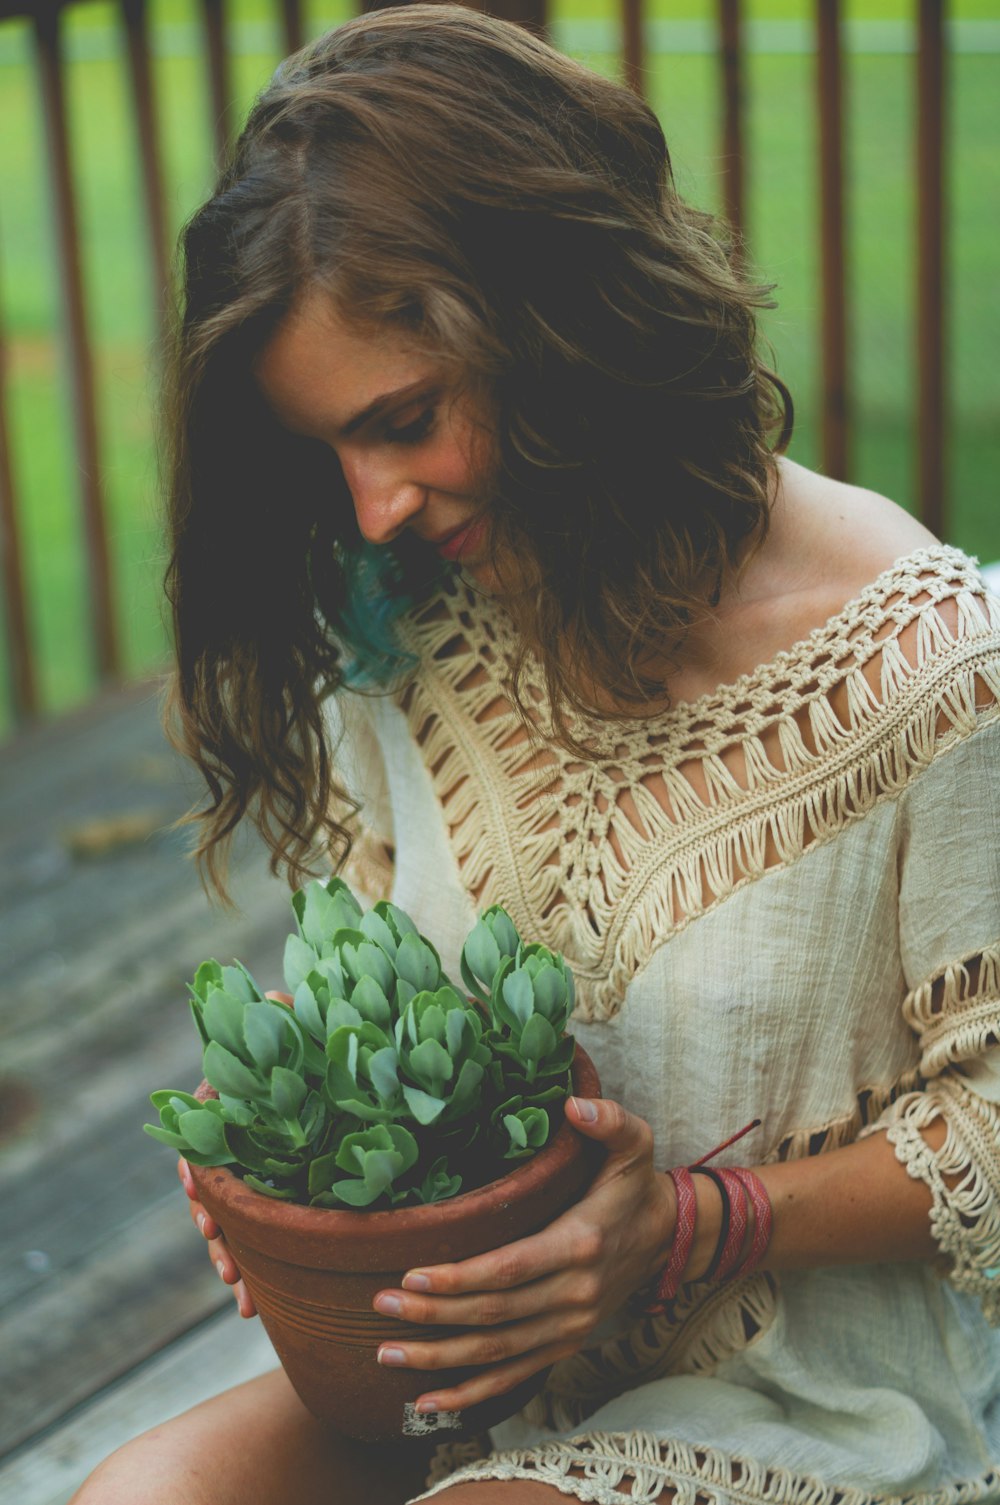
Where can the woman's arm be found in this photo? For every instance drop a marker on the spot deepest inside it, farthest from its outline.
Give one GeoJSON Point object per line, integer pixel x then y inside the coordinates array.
{"type": "Point", "coordinates": [853, 1205]}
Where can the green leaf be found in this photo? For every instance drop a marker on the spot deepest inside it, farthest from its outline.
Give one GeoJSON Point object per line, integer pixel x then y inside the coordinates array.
{"type": "Point", "coordinates": [519, 997]}
{"type": "Point", "coordinates": [308, 1011]}
{"type": "Point", "coordinates": [322, 1173]}
{"type": "Point", "coordinates": [374, 926]}
{"type": "Point", "coordinates": [300, 959]}
{"type": "Point", "coordinates": [166, 1136]}
{"type": "Point", "coordinates": [341, 1015]}
{"type": "Point", "coordinates": [170, 1096]}
{"type": "Point", "coordinates": [247, 1151]}
{"type": "Point", "coordinates": [371, 1000]}
{"type": "Point", "coordinates": [236, 1110]}
{"type": "Point", "coordinates": [223, 1016]}
{"type": "Point", "coordinates": [481, 954]}
{"type": "Point", "coordinates": [203, 1131]}
{"type": "Point", "coordinates": [417, 963]}
{"type": "Point", "coordinates": [208, 976]}
{"type": "Point", "coordinates": [280, 1193]}
{"type": "Point", "coordinates": [265, 1028]}
{"type": "Point", "coordinates": [382, 1068]}
{"type": "Point", "coordinates": [425, 1109]}
{"type": "Point", "coordinates": [538, 1038]}
{"type": "Point", "coordinates": [431, 1064]}
{"type": "Point", "coordinates": [288, 1092]}
{"type": "Point", "coordinates": [466, 1088]}
{"type": "Point", "coordinates": [351, 1193]}
{"type": "Point", "coordinates": [405, 1145]}
{"type": "Point", "coordinates": [226, 1073]}
{"type": "Point", "coordinates": [236, 980]}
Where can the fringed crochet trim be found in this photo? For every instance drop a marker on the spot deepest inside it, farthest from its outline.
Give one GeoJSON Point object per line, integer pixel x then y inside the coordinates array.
{"type": "Point", "coordinates": [965, 1217]}
{"type": "Point", "coordinates": [596, 1466]}
{"type": "Point", "coordinates": [956, 1013]}
{"type": "Point", "coordinates": [836, 1132]}
{"type": "Point", "coordinates": [703, 1327]}
{"type": "Point", "coordinates": [606, 860]}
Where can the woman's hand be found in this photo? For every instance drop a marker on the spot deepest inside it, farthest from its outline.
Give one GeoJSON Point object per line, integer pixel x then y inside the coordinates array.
{"type": "Point", "coordinates": [540, 1299]}
{"type": "Point", "coordinates": [217, 1247]}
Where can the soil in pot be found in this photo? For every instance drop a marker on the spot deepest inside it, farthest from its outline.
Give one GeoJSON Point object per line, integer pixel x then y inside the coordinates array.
{"type": "Point", "coordinates": [313, 1274]}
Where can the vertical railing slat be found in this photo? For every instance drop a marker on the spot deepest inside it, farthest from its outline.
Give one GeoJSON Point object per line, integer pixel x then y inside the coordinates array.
{"type": "Point", "coordinates": [930, 313]}
{"type": "Point", "coordinates": [633, 45]}
{"type": "Point", "coordinates": [144, 104]}
{"type": "Point", "coordinates": [21, 668]}
{"type": "Point", "coordinates": [731, 58]}
{"type": "Point", "coordinates": [46, 26]}
{"type": "Point", "coordinates": [835, 396]}
{"type": "Point", "coordinates": [292, 32]}
{"type": "Point", "coordinates": [217, 56]}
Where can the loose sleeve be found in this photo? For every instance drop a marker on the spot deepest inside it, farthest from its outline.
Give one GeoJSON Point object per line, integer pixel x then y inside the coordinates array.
{"type": "Point", "coordinates": [360, 770]}
{"type": "Point", "coordinates": [949, 935]}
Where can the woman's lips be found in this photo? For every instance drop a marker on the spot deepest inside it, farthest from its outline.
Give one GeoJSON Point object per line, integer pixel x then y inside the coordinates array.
{"type": "Point", "coordinates": [465, 543]}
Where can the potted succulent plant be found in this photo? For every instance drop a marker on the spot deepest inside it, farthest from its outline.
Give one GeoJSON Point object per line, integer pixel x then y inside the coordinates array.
{"type": "Point", "coordinates": [374, 1118]}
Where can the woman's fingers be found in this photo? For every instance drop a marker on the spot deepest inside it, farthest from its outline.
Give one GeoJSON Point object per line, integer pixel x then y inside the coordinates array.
{"type": "Point", "coordinates": [491, 1382]}
{"type": "Point", "coordinates": [489, 1345]}
{"type": "Point", "coordinates": [488, 1308]}
{"type": "Point", "coordinates": [218, 1249]}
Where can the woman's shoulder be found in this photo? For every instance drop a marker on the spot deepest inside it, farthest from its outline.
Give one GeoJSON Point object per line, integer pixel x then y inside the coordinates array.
{"type": "Point", "coordinates": [839, 561]}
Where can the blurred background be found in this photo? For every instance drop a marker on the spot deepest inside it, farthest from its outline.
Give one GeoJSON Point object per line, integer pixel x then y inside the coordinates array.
{"type": "Point", "coordinates": [857, 146]}
{"type": "Point", "coordinates": [86, 513]}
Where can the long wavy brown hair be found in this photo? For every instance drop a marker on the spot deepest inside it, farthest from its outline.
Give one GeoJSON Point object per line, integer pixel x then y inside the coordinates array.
{"type": "Point", "coordinates": [447, 174]}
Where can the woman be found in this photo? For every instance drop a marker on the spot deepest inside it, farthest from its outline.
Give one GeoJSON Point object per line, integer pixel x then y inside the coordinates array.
{"type": "Point", "coordinates": [467, 415]}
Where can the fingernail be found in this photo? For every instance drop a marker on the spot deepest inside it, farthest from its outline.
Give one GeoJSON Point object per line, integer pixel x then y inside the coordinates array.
{"type": "Point", "coordinates": [221, 1268]}
{"type": "Point", "coordinates": [585, 1109]}
{"type": "Point", "coordinates": [390, 1305]}
{"type": "Point", "coordinates": [200, 1220]}
{"type": "Point", "coordinates": [391, 1355]}
{"type": "Point", "coordinates": [414, 1281]}
{"type": "Point", "coordinates": [429, 1403]}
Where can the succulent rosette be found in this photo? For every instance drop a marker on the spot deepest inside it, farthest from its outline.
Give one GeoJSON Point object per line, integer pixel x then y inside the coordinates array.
{"type": "Point", "coordinates": [381, 1084]}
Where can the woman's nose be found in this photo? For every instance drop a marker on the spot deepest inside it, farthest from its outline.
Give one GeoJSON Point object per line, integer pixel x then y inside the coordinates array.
{"type": "Point", "coordinates": [384, 498]}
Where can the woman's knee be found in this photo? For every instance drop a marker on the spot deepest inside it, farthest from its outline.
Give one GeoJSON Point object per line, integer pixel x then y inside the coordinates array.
{"type": "Point", "coordinates": [254, 1445]}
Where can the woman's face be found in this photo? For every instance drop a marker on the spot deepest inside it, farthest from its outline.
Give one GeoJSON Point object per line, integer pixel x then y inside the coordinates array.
{"type": "Point", "coordinates": [411, 449]}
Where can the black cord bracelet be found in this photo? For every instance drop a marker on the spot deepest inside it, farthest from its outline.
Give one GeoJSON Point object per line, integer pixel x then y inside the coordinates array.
{"type": "Point", "coordinates": [704, 1170]}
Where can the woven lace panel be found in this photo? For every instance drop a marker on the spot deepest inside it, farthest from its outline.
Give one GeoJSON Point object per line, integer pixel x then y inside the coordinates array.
{"type": "Point", "coordinates": [611, 1467]}
{"type": "Point", "coordinates": [605, 861]}
{"type": "Point", "coordinates": [956, 1016]}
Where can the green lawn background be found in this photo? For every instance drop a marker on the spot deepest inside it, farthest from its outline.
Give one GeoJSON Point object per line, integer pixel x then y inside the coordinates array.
{"type": "Point", "coordinates": [782, 192]}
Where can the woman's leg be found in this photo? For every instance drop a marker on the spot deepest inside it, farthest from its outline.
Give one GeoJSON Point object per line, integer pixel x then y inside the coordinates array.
{"type": "Point", "coordinates": [255, 1445]}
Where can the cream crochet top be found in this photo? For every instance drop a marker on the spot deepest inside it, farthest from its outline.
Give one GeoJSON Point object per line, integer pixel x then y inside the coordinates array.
{"type": "Point", "coordinates": [781, 900]}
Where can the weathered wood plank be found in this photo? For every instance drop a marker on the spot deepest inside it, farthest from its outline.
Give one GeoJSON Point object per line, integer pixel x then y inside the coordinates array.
{"type": "Point", "coordinates": [149, 1283]}
{"type": "Point", "coordinates": [99, 1265]}
{"type": "Point", "coordinates": [220, 1352]}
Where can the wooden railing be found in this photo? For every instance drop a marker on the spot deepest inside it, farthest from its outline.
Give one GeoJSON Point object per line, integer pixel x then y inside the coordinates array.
{"type": "Point", "coordinates": [46, 17]}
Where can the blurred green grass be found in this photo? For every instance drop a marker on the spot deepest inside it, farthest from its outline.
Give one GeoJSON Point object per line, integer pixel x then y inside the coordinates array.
{"type": "Point", "coordinates": [683, 87]}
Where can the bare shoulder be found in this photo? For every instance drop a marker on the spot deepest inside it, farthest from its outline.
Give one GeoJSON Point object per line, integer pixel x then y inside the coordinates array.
{"type": "Point", "coordinates": [837, 537]}
{"type": "Point", "coordinates": [828, 541]}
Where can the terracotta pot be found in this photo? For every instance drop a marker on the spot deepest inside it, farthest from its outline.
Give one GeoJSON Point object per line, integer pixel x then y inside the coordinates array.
{"type": "Point", "coordinates": [313, 1273]}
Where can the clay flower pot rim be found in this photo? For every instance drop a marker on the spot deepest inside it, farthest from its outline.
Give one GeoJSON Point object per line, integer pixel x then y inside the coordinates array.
{"type": "Point", "coordinates": [295, 1217]}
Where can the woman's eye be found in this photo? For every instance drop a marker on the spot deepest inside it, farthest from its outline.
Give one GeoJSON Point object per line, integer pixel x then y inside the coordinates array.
{"type": "Point", "coordinates": [411, 433]}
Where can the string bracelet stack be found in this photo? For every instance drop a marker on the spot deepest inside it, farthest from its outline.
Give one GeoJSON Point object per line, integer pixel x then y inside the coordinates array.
{"type": "Point", "coordinates": [741, 1191]}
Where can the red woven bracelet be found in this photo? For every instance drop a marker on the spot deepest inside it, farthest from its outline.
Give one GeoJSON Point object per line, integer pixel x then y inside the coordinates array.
{"type": "Point", "coordinates": [763, 1217]}
{"type": "Point", "coordinates": [740, 1185]}
{"type": "Point", "coordinates": [737, 1224]}
{"type": "Point", "coordinates": [680, 1250]}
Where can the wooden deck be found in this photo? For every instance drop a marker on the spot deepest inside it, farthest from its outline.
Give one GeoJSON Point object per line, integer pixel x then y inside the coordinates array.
{"type": "Point", "coordinates": [111, 1318]}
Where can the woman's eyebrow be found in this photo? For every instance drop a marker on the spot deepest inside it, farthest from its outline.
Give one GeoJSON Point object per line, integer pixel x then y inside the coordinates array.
{"type": "Point", "coordinates": [380, 403]}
